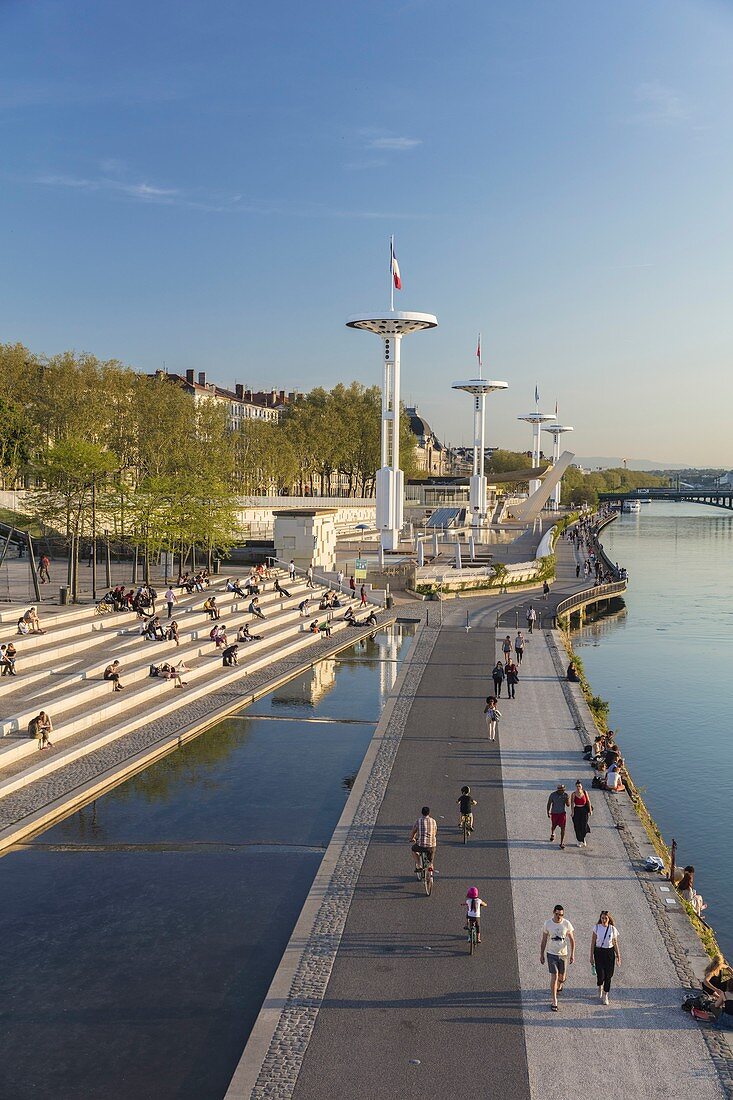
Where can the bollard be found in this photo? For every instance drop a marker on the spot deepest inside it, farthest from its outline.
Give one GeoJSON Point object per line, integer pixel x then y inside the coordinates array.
{"type": "Point", "coordinates": [672, 861]}
{"type": "Point", "coordinates": [468, 624]}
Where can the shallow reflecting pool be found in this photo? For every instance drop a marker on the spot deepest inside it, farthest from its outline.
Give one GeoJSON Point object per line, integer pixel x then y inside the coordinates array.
{"type": "Point", "coordinates": [142, 932]}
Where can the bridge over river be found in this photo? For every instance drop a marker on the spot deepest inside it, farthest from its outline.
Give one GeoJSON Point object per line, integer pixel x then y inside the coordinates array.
{"type": "Point", "coordinates": [718, 498]}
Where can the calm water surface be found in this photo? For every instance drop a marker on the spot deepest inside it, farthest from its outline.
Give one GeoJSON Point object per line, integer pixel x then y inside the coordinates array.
{"type": "Point", "coordinates": [666, 666]}
{"type": "Point", "coordinates": [141, 933]}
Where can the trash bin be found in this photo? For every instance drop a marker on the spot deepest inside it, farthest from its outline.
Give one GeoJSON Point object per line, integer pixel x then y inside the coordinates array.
{"type": "Point", "coordinates": [388, 603]}
{"type": "Point", "coordinates": [217, 566]}
{"type": "Point", "coordinates": [63, 595]}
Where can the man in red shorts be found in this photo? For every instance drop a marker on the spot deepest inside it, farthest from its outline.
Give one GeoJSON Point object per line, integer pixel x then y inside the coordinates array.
{"type": "Point", "coordinates": [557, 805]}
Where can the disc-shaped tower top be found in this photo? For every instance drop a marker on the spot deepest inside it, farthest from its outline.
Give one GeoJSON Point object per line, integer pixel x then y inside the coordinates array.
{"type": "Point", "coordinates": [480, 385]}
{"type": "Point", "coordinates": [558, 429]}
{"type": "Point", "coordinates": [537, 417]}
{"type": "Point", "coordinates": [393, 324]}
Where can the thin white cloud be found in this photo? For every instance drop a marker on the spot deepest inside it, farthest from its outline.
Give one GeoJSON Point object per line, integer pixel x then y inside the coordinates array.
{"type": "Point", "coordinates": [660, 105]}
{"type": "Point", "coordinates": [393, 144]}
{"type": "Point", "coordinates": [212, 203]}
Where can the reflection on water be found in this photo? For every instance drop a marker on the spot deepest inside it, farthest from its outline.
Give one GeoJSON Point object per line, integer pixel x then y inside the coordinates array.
{"type": "Point", "coordinates": [145, 928]}
{"type": "Point", "coordinates": [665, 668]}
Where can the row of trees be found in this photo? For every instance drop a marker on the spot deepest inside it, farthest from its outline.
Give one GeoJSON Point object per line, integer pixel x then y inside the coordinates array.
{"type": "Point", "coordinates": [578, 487]}
{"type": "Point", "coordinates": [134, 455]}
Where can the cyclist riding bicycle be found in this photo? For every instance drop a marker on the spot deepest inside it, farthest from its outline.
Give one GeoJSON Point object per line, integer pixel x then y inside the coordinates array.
{"type": "Point", "coordinates": [465, 805]}
{"type": "Point", "coordinates": [473, 905]}
{"type": "Point", "coordinates": [424, 838]}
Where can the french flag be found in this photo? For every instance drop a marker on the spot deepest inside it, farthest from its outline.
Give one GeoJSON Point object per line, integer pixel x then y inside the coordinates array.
{"type": "Point", "coordinates": [395, 268]}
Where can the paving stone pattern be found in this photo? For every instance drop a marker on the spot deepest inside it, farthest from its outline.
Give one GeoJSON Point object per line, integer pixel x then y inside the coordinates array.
{"type": "Point", "coordinates": [621, 811]}
{"type": "Point", "coordinates": [63, 782]}
{"type": "Point", "coordinates": [282, 1063]}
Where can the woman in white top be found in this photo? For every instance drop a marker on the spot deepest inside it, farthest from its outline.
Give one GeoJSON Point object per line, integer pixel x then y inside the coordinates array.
{"type": "Point", "coordinates": [604, 953]}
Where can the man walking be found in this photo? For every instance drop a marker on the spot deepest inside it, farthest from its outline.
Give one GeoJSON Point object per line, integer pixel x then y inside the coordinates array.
{"type": "Point", "coordinates": [363, 600]}
{"type": "Point", "coordinates": [531, 618]}
{"type": "Point", "coordinates": [43, 573]}
{"type": "Point", "coordinates": [309, 575]}
{"type": "Point", "coordinates": [557, 934]}
{"type": "Point", "coordinates": [340, 578]}
{"type": "Point", "coordinates": [519, 647]}
{"type": "Point", "coordinates": [512, 679]}
{"type": "Point", "coordinates": [170, 598]}
{"type": "Point", "coordinates": [291, 571]}
{"type": "Point", "coordinates": [557, 811]}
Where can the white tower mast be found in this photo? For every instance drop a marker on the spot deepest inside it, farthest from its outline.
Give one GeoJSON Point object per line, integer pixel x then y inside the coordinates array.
{"type": "Point", "coordinates": [478, 388]}
{"type": "Point", "coordinates": [536, 419]}
{"type": "Point", "coordinates": [391, 327]}
{"type": "Point", "coordinates": [556, 430]}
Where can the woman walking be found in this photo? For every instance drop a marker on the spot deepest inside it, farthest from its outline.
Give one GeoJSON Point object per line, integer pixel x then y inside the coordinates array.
{"type": "Point", "coordinates": [604, 953]}
{"type": "Point", "coordinates": [580, 810]}
{"type": "Point", "coordinates": [492, 714]}
{"type": "Point", "coordinates": [497, 675]}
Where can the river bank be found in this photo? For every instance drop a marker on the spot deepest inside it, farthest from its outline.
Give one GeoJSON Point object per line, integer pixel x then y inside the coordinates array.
{"type": "Point", "coordinates": [662, 664]}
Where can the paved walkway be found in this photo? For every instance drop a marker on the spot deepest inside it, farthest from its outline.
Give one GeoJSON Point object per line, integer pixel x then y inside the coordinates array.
{"type": "Point", "coordinates": [407, 1012]}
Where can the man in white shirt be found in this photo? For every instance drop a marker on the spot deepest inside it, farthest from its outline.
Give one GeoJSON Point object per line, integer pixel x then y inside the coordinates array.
{"type": "Point", "coordinates": [340, 578]}
{"type": "Point", "coordinates": [291, 570]}
{"type": "Point", "coordinates": [557, 934]}
{"type": "Point", "coordinates": [170, 599]}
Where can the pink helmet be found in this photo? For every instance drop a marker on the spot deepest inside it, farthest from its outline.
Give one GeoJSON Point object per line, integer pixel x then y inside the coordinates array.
{"type": "Point", "coordinates": [472, 893]}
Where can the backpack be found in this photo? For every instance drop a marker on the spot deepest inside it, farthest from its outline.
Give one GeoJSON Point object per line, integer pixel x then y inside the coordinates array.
{"type": "Point", "coordinates": [154, 670]}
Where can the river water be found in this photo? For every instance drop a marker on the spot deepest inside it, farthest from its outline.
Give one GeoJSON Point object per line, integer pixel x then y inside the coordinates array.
{"type": "Point", "coordinates": [141, 933]}
{"type": "Point", "coordinates": [666, 666]}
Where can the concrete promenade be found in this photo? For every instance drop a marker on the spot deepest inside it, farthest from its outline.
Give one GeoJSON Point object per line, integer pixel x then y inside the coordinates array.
{"type": "Point", "coordinates": [399, 1008]}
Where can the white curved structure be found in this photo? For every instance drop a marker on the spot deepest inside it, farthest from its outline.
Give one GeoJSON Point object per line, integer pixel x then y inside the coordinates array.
{"type": "Point", "coordinates": [479, 388]}
{"type": "Point", "coordinates": [391, 327]}
{"type": "Point", "coordinates": [536, 419]}
{"type": "Point", "coordinates": [556, 430]}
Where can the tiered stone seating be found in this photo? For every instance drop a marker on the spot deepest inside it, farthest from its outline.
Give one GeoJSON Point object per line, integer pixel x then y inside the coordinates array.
{"type": "Point", "coordinates": [61, 671]}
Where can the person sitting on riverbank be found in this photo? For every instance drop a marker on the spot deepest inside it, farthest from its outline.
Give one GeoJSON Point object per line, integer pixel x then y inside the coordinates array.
{"type": "Point", "coordinates": [229, 656]}
{"type": "Point", "coordinates": [40, 727]}
{"type": "Point", "coordinates": [235, 587]}
{"type": "Point", "coordinates": [717, 975]}
{"type": "Point", "coordinates": [572, 674]}
{"type": "Point", "coordinates": [211, 609]}
{"type": "Point", "coordinates": [614, 781]}
{"type": "Point", "coordinates": [255, 609]}
{"type": "Point", "coordinates": [170, 672]}
{"type": "Point", "coordinates": [153, 630]}
{"type": "Point", "coordinates": [31, 624]}
{"type": "Point", "coordinates": [218, 635]}
{"type": "Point", "coordinates": [8, 654]}
{"type": "Point", "coordinates": [243, 635]}
{"type": "Point", "coordinates": [112, 672]}
{"type": "Point", "coordinates": [686, 887]}
{"type": "Point", "coordinates": [303, 608]}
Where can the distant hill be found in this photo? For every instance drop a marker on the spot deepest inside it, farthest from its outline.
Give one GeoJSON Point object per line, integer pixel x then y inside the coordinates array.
{"type": "Point", "coordinates": [593, 462]}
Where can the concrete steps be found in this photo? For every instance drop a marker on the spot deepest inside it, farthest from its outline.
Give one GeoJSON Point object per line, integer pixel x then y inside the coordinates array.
{"type": "Point", "coordinates": [68, 683]}
{"type": "Point", "coordinates": [204, 678]}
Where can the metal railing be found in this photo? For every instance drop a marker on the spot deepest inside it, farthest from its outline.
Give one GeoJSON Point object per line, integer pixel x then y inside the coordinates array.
{"type": "Point", "coordinates": [589, 595]}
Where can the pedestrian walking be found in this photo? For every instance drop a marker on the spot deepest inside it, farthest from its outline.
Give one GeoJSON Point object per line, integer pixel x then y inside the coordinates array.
{"type": "Point", "coordinates": [170, 598]}
{"type": "Point", "coordinates": [512, 679]}
{"type": "Point", "coordinates": [43, 574]}
{"type": "Point", "coordinates": [577, 571]}
{"type": "Point", "coordinates": [557, 935]}
{"type": "Point", "coordinates": [363, 600]}
{"type": "Point", "coordinates": [557, 807]}
{"type": "Point", "coordinates": [492, 715]}
{"type": "Point", "coordinates": [352, 587]}
{"type": "Point", "coordinates": [506, 649]}
{"type": "Point", "coordinates": [340, 578]}
{"type": "Point", "coordinates": [545, 590]}
{"type": "Point", "coordinates": [291, 571]}
{"type": "Point", "coordinates": [580, 811]}
{"type": "Point", "coordinates": [531, 618]}
{"type": "Point", "coordinates": [604, 954]}
{"type": "Point", "coordinates": [497, 675]}
{"type": "Point", "coordinates": [309, 576]}
{"type": "Point", "coordinates": [519, 647]}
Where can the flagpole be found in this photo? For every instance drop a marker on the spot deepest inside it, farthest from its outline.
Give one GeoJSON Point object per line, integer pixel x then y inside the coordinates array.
{"type": "Point", "coordinates": [391, 273]}
{"type": "Point", "coordinates": [480, 364]}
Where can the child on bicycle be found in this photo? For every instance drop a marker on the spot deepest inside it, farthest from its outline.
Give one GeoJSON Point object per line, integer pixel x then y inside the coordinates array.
{"type": "Point", "coordinates": [473, 905]}
{"type": "Point", "coordinates": [465, 804]}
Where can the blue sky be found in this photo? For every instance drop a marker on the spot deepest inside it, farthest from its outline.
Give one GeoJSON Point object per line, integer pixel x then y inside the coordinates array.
{"type": "Point", "coordinates": [214, 185]}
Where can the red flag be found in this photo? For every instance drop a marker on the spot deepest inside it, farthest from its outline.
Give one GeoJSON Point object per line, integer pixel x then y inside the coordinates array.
{"type": "Point", "coordinates": [478, 350]}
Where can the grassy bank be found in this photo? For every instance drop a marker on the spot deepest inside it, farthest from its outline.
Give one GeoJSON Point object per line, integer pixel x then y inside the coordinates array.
{"type": "Point", "coordinates": [600, 709]}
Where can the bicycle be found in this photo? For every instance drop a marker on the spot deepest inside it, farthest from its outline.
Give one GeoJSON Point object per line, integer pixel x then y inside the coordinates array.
{"type": "Point", "coordinates": [466, 826]}
{"type": "Point", "coordinates": [426, 873]}
{"type": "Point", "coordinates": [472, 936]}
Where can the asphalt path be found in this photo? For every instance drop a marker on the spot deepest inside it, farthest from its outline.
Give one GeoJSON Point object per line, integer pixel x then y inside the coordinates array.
{"type": "Point", "coordinates": [408, 1011]}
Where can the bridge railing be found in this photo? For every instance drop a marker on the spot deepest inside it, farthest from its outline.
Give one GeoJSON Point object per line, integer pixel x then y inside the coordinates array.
{"type": "Point", "coordinates": [589, 595]}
